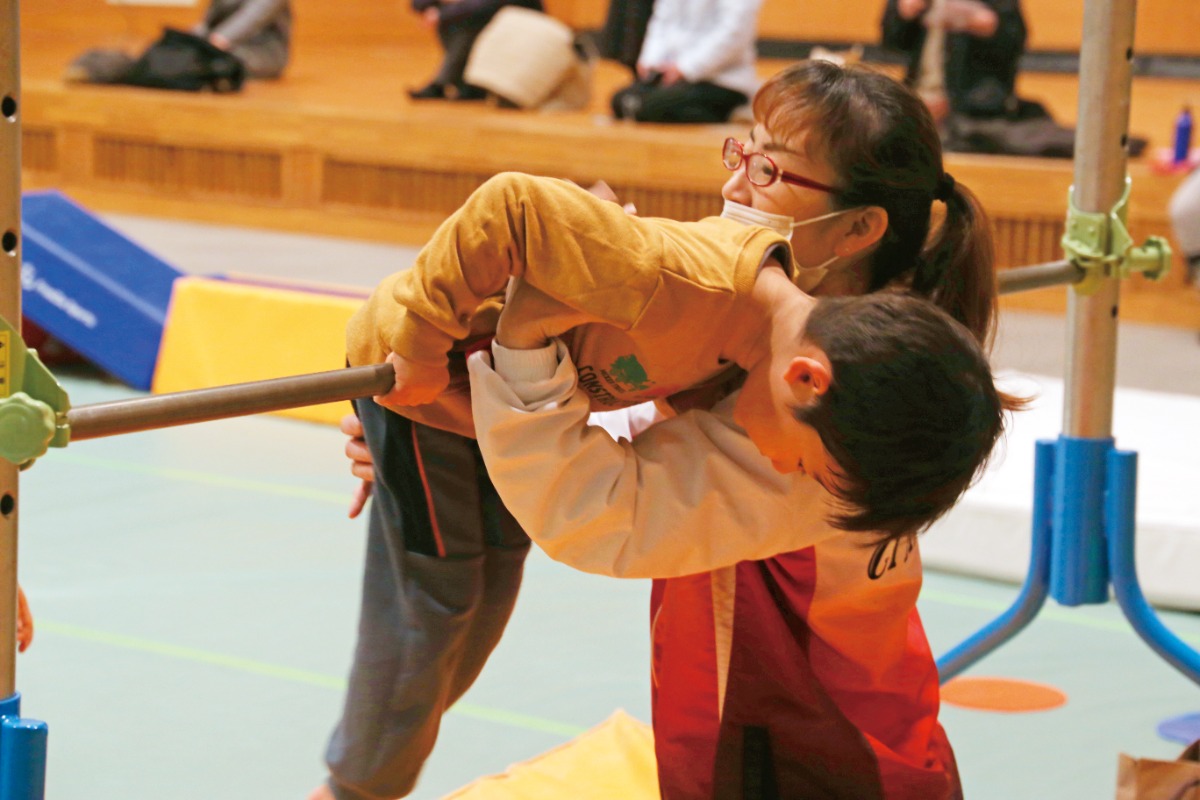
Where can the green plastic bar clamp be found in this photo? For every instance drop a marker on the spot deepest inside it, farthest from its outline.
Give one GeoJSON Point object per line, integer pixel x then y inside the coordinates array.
{"type": "Point", "coordinates": [1100, 244]}
{"type": "Point", "coordinates": [33, 406]}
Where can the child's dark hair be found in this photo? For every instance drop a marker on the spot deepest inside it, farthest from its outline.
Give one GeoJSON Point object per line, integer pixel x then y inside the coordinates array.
{"type": "Point", "coordinates": [911, 415]}
{"type": "Point", "coordinates": [882, 142]}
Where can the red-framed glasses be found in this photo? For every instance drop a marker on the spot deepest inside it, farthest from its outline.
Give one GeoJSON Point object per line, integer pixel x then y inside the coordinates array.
{"type": "Point", "coordinates": [761, 170]}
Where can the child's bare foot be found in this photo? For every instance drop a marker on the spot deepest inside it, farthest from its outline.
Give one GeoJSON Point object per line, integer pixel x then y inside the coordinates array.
{"type": "Point", "coordinates": [322, 792]}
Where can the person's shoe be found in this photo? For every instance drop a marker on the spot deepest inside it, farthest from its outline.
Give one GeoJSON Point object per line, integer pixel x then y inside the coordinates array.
{"type": "Point", "coordinates": [434, 91]}
{"type": "Point", "coordinates": [465, 91]}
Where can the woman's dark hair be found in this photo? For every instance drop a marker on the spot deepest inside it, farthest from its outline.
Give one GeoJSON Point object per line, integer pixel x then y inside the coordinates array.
{"type": "Point", "coordinates": [882, 142]}
{"type": "Point", "coordinates": [911, 415]}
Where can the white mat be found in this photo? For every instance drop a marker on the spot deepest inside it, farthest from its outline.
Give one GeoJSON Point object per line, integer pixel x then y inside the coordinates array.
{"type": "Point", "coordinates": [988, 533]}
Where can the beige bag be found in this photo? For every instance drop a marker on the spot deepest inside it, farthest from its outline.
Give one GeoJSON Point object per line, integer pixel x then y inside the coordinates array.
{"type": "Point", "coordinates": [1149, 779]}
{"type": "Point", "coordinates": [530, 59]}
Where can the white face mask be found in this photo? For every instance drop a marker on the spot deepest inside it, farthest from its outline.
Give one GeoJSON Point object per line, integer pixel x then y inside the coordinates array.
{"type": "Point", "coordinates": [806, 278]}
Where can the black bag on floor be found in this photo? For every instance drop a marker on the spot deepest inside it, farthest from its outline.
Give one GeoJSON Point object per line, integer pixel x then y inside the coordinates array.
{"type": "Point", "coordinates": [1024, 129]}
{"type": "Point", "coordinates": [1027, 129]}
{"type": "Point", "coordinates": [185, 62]}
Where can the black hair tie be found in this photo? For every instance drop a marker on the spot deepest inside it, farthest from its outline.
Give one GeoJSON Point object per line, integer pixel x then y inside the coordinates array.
{"type": "Point", "coordinates": [945, 188]}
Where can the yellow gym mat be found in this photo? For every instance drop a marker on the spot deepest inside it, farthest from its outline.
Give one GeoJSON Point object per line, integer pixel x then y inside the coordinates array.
{"type": "Point", "coordinates": [220, 332]}
{"type": "Point", "coordinates": [615, 759]}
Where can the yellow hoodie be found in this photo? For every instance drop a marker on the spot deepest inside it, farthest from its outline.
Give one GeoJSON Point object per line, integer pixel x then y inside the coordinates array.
{"type": "Point", "coordinates": [666, 291]}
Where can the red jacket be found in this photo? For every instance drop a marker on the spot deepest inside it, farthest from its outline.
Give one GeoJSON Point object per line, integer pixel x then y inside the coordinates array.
{"type": "Point", "coordinates": [751, 703]}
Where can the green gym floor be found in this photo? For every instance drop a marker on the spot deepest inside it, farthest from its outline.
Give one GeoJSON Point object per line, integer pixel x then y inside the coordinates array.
{"type": "Point", "coordinates": [195, 593]}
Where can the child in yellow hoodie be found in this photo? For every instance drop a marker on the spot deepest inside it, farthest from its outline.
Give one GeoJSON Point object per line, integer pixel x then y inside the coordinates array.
{"type": "Point", "coordinates": [444, 555]}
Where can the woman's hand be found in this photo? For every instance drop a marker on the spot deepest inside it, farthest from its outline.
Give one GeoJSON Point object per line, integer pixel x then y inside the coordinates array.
{"type": "Point", "coordinates": [361, 464]}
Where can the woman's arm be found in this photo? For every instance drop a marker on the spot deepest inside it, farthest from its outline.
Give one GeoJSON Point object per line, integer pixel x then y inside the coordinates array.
{"type": "Point", "coordinates": [690, 494]}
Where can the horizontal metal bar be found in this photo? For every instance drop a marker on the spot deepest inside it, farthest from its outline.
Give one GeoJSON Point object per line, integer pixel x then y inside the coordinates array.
{"type": "Point", "coordinates": [202, 405]}
{"type": "Point", "coordinates": [1039, 276]}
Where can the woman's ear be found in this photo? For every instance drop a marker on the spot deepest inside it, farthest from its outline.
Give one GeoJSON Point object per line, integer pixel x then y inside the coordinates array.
{"type": "Point", "coordinates": [866, 229]}
{"type": "Point", "coordinates": [808, 378]}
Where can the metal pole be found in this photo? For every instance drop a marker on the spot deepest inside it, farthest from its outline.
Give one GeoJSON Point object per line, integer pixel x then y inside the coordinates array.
{"type": "Point", "coordinates": [1033, 593]}
{"type": "Point", "coordinates": [1120, 524]}
{"type": "Point", "coordinates": [202, 405]}
{"type": "Point", "coordinates": [1039, 276]}
{"type": "Point", "coordinates": [10, 309]}
{"type": "Point", "coordinates": [1105, 77]}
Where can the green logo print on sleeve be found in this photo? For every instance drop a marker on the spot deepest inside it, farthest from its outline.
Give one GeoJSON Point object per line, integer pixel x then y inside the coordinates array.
{"type": "Point", "coordinates": [627, 370]}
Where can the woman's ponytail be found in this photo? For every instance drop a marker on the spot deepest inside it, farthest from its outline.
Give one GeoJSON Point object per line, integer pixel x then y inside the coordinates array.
{"type": "Point", "coordinates": [958, 265]}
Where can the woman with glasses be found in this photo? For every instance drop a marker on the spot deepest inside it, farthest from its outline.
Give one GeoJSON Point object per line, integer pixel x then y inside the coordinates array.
{"type": "Point", "coordinates": [844, 163]}
{"type": "Point", "coordinates": [786, 649]}
{"type": "Point", "coordinates": [806, 673]}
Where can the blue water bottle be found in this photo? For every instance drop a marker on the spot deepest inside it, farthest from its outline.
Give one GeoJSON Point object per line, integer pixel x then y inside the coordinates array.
{"type": "Point", "coordinates": [1183, 135]}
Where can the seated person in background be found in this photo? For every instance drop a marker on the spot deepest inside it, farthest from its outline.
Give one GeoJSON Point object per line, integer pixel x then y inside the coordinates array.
{"type": "Point", "coordinates": [963, 58]}
{"type": "Point", "coordinates": [962, 54]}
{"type": "Point", "coordinates": [780, 529]}
{"type": "Point", "coordinates": [257, 32]}
{"type": "Point", "coordinates": [458, 24]}
{"type": "Point", "coordinates": [696, 63]}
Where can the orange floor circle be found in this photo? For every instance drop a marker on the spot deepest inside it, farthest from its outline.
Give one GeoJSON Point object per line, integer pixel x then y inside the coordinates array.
{"type": "Point", "coordinates": [1002, 694]}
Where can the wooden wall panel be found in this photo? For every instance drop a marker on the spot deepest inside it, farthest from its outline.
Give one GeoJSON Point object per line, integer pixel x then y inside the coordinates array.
{"type": "Point", "coordinates": [386, 187]}
{"type": "Point", "coordinates": [202, 171]}
{"type": "Point", "coordinates": [39, 149]}
{"type": "Point", "coordinates": [1022, 241]}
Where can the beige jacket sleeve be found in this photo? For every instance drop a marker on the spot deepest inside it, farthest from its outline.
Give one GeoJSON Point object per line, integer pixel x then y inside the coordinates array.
{"type": "Point", "coordinates": [689, 495]}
